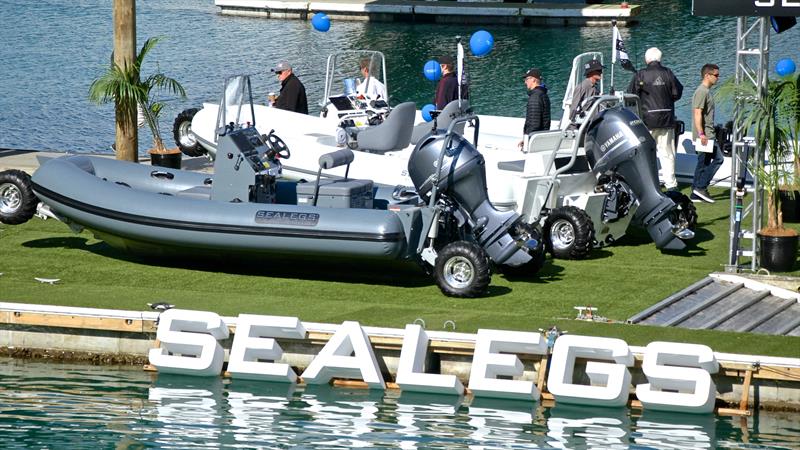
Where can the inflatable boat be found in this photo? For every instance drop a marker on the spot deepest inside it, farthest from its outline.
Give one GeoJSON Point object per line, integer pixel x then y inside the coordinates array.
{"type": "Point", "coordinates": [448, 224]}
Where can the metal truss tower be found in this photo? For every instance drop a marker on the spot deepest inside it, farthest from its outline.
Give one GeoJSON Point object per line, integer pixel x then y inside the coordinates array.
{"type": "Point", "coordinates": [752, 66]}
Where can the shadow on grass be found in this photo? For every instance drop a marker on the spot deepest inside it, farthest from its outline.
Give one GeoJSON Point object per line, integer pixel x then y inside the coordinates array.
{"type": "Point", "coordinates": [298, 267]}
{"type": "Point", "coordinates": [550, 272]}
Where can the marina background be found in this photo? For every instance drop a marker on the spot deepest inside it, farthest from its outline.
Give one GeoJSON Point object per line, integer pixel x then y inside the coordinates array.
{"type": "Point", "coordinates": [53, 49]}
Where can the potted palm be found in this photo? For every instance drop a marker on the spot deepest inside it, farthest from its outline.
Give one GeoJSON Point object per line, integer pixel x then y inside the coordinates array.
{"type": "Point", "coordinates": [126, 87]}
{"type": "Point", "coordinates": [773, 119]}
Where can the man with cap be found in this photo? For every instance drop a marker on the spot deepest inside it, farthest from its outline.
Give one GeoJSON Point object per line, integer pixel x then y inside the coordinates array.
{"type": "Point", "coordinates": [593, 71]}
{"type": "Point", "coordinates": [537, 115]}
{"type": "Point", "coordinates": [293, 94]}
{"type": "Point", "coordinates": [659, 89]}
{"type": "Point", "coordinates": [447, 89]}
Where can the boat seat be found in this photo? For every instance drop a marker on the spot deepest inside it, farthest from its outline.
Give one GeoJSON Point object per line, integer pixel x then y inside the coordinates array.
{"type": "Point", "coordinates": [446, 117]}
{"type": "Point", "coordinates": [393, 134]}
{"type": "Point", "coordinates": [197, 192]}
{"type": "Point", "coordinates": [512, 166]}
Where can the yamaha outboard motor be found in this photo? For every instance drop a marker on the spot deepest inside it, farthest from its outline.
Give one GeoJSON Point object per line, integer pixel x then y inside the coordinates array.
{"type": "Point", "coordinates": [462, 178]}
{"type": "Point", "coordinates": [618, 141]}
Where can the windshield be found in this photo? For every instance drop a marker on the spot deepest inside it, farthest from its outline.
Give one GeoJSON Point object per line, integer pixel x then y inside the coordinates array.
{"type": "Point", "coordinates": [346, 75]}
{"type": "Point", "coordinates": [235, 96]}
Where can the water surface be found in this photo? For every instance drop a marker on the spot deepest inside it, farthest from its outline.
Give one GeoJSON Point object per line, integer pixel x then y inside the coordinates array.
{"type": "Point", "coordinates": [53, 49]}
{"type": "Point", "coordinates": [47, 405]}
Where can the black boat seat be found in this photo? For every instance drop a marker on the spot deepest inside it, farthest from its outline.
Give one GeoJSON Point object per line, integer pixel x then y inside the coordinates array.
{"type": "Point", "coordinates": [197, 192]}
{"type": "Point", "coordinates": [581, 164]}
{"type": "Point", "coordinates": [393, 134]}
{"type": "Point", "coordinates": [446, 117]}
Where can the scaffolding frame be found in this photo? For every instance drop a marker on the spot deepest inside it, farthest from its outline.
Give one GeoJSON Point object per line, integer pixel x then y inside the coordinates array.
{"type": "Point", "coordinates": [752, 66]}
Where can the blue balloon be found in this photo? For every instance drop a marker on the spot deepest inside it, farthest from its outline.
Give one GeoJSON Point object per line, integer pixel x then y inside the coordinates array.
{"type": "Point", "coordinates": [432, 70]}
{"type": "Point", "coordinates": [785, 67]}
{"type": "Point", "coordinates": [426, 112]}
{"type": "Point", "coordinates": [321, 22]}
{"type": "Point", "coordinates": [481, 43]}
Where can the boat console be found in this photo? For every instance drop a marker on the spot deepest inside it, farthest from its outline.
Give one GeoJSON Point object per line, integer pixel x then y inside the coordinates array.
{"type": "Point", "coordinates": [246, 167]}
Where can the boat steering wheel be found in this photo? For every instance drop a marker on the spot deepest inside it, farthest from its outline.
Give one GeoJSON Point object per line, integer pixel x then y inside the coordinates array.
{"type": "Point", "coordinates": [278, 147]}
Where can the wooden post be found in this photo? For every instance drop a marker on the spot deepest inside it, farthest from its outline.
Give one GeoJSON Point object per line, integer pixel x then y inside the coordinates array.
{"type": "Point", "coordinates": [127, 136]}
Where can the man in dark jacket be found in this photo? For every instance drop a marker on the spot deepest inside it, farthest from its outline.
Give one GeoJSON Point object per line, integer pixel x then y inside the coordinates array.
{"type": "Point", "coordinates": [537, 114]}
{"type": "Point", "coordinates": [293, 93]}
{"type": "Point", "coordinates": [447, 89]}
{"type": "Point", "coordinates": [659, 89]}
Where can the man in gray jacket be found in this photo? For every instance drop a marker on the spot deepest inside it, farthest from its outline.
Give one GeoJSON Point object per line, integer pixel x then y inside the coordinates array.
{"type": "Point", "coordinates": [593, 71]}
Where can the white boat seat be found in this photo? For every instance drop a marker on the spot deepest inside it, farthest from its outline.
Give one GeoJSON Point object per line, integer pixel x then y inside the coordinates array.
{"type": "Point", "coordinates": [197, 192]}
{"type": "Point", "coordinates": [393, 134]}
{"type": "Point", "coordinates": [446, 117]}
{"type": "Point", "coordinates": [512, 166]}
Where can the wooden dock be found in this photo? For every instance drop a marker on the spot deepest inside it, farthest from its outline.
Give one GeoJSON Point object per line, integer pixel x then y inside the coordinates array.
{"type": "Point", "coordinates": [27, 330]}
{"type": "Point", "coordinates": [437, 11]}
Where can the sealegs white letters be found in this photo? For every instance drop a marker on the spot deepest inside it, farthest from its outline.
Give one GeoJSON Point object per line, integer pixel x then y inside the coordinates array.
{"type": "Point", "coordinates": [678, 375]}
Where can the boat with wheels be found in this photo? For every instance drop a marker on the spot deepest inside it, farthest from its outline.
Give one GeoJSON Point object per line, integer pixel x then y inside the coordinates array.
{"type": "Point", "coordinates": [578, 208]}
{"type": "Point", "coordinates": [448, 225]}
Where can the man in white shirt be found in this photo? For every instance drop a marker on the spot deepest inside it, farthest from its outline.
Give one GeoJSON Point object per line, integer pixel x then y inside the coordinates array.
{"type": "Point", "coordinates": [370, 87]}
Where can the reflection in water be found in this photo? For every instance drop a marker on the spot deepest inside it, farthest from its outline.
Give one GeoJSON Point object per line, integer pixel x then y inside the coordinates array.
{"type": "Point", "coordinates": [587, 427]}
{"type": "Point", "coordinates": [675, 430]}
{"type": "Point", "coordinates": [74, 406]}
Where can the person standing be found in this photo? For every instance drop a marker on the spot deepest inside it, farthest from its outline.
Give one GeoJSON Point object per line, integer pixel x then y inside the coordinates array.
{"type": "Point", "coordinates": [537, 113]}
{"type": "Point", "coordinates": [370, 87]}
{"type": "Point", "coordinates": [703, 130]}
{"type": "Point", "coordinates": [659, 89]}
{"type": "Point", "coordinates": [447, 89]}
{"type": "Point", "coordinates": [593, 72]}
{"type": "Point", "coordinates": [293, 94]}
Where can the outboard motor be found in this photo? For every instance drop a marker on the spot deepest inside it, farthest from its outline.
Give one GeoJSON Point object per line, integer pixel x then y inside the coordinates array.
{"type": "Point", "coordinates": [462, 178]}
{"type": "Point", "coordinates": [619, 142]}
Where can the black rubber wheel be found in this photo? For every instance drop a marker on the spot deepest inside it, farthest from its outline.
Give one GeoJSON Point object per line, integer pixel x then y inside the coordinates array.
{"type": "Point", "coordinates": [527, 231]}
{"type": "Point", "coordinates": [685, 214]}
{"type": "Point", "coordinates": [569, 233]}
{"type": "Point", "coordinates": [182, 132]}
{"type": "Point", "coordinates": [17, 200]}
{"type": "Point", "coordinates": [462, 270]}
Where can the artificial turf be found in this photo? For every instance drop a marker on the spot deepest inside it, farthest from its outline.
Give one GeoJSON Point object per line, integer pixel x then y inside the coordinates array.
{"type": "Point", "coordinates": [619, 280]}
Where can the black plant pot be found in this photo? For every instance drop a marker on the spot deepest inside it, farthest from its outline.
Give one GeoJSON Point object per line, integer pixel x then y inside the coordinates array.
{"type": "Point", "coordinates": [790, 206]}
{"type": "Point", "coordinates": [777, 253]}
{"type": "Point", "coordinates": [171, 160]}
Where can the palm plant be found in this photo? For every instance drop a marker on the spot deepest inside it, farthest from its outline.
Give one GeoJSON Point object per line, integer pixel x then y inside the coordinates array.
{"type": "Point", "coordinates": [125, 87]}
{"type": "Point", "coordinates": [774, 119]}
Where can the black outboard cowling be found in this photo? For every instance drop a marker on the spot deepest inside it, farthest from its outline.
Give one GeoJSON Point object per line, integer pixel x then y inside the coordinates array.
{"type": "Point", "coordinates": [462, 177]}
{"type": "Point", "coordinates": [618, 141]}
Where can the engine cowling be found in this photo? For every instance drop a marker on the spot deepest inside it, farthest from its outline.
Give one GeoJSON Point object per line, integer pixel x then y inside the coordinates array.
{"type": "Point", "coordinates": [618, 142]}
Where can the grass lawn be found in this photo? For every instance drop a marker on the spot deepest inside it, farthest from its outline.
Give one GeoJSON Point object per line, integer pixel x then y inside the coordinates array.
{"type": "Point", "coordinates": [620, 280]}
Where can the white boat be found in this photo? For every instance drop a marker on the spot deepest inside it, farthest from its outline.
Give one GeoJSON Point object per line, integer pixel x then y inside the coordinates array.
{"type": "Point", "coordinates": [346, 119]}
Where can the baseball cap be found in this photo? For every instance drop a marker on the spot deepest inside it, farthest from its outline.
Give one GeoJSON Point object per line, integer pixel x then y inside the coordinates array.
{"type": "Point", "coordinates": [535, 73]}
{"type": "Point", "coordinates": [446, 60]}
{"type": "Point", "coordinates": [592, 66]}
{"type": "Point", "coordinates": [283, 65]}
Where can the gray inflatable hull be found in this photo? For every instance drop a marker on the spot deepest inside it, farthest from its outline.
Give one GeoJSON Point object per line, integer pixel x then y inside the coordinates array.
{"type": "Point", "coordinates": [157, 210]}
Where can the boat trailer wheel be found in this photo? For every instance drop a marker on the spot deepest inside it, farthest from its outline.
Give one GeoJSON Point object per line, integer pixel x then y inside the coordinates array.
{"type": "Point", "coordinates": [569, 233]}
{"type": "Point", "coordinates": [562, 234]}
{"type": "Point", "coordinates": [10, 198]}
{"type": "Point", "coordinates": [17, 201]}
{"type": "Point", "coordinates": [462, 269]}
{"type": "Point", "coordinates": [459, 272]}
{"type": "Point", "coordinates": [185, 136]}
